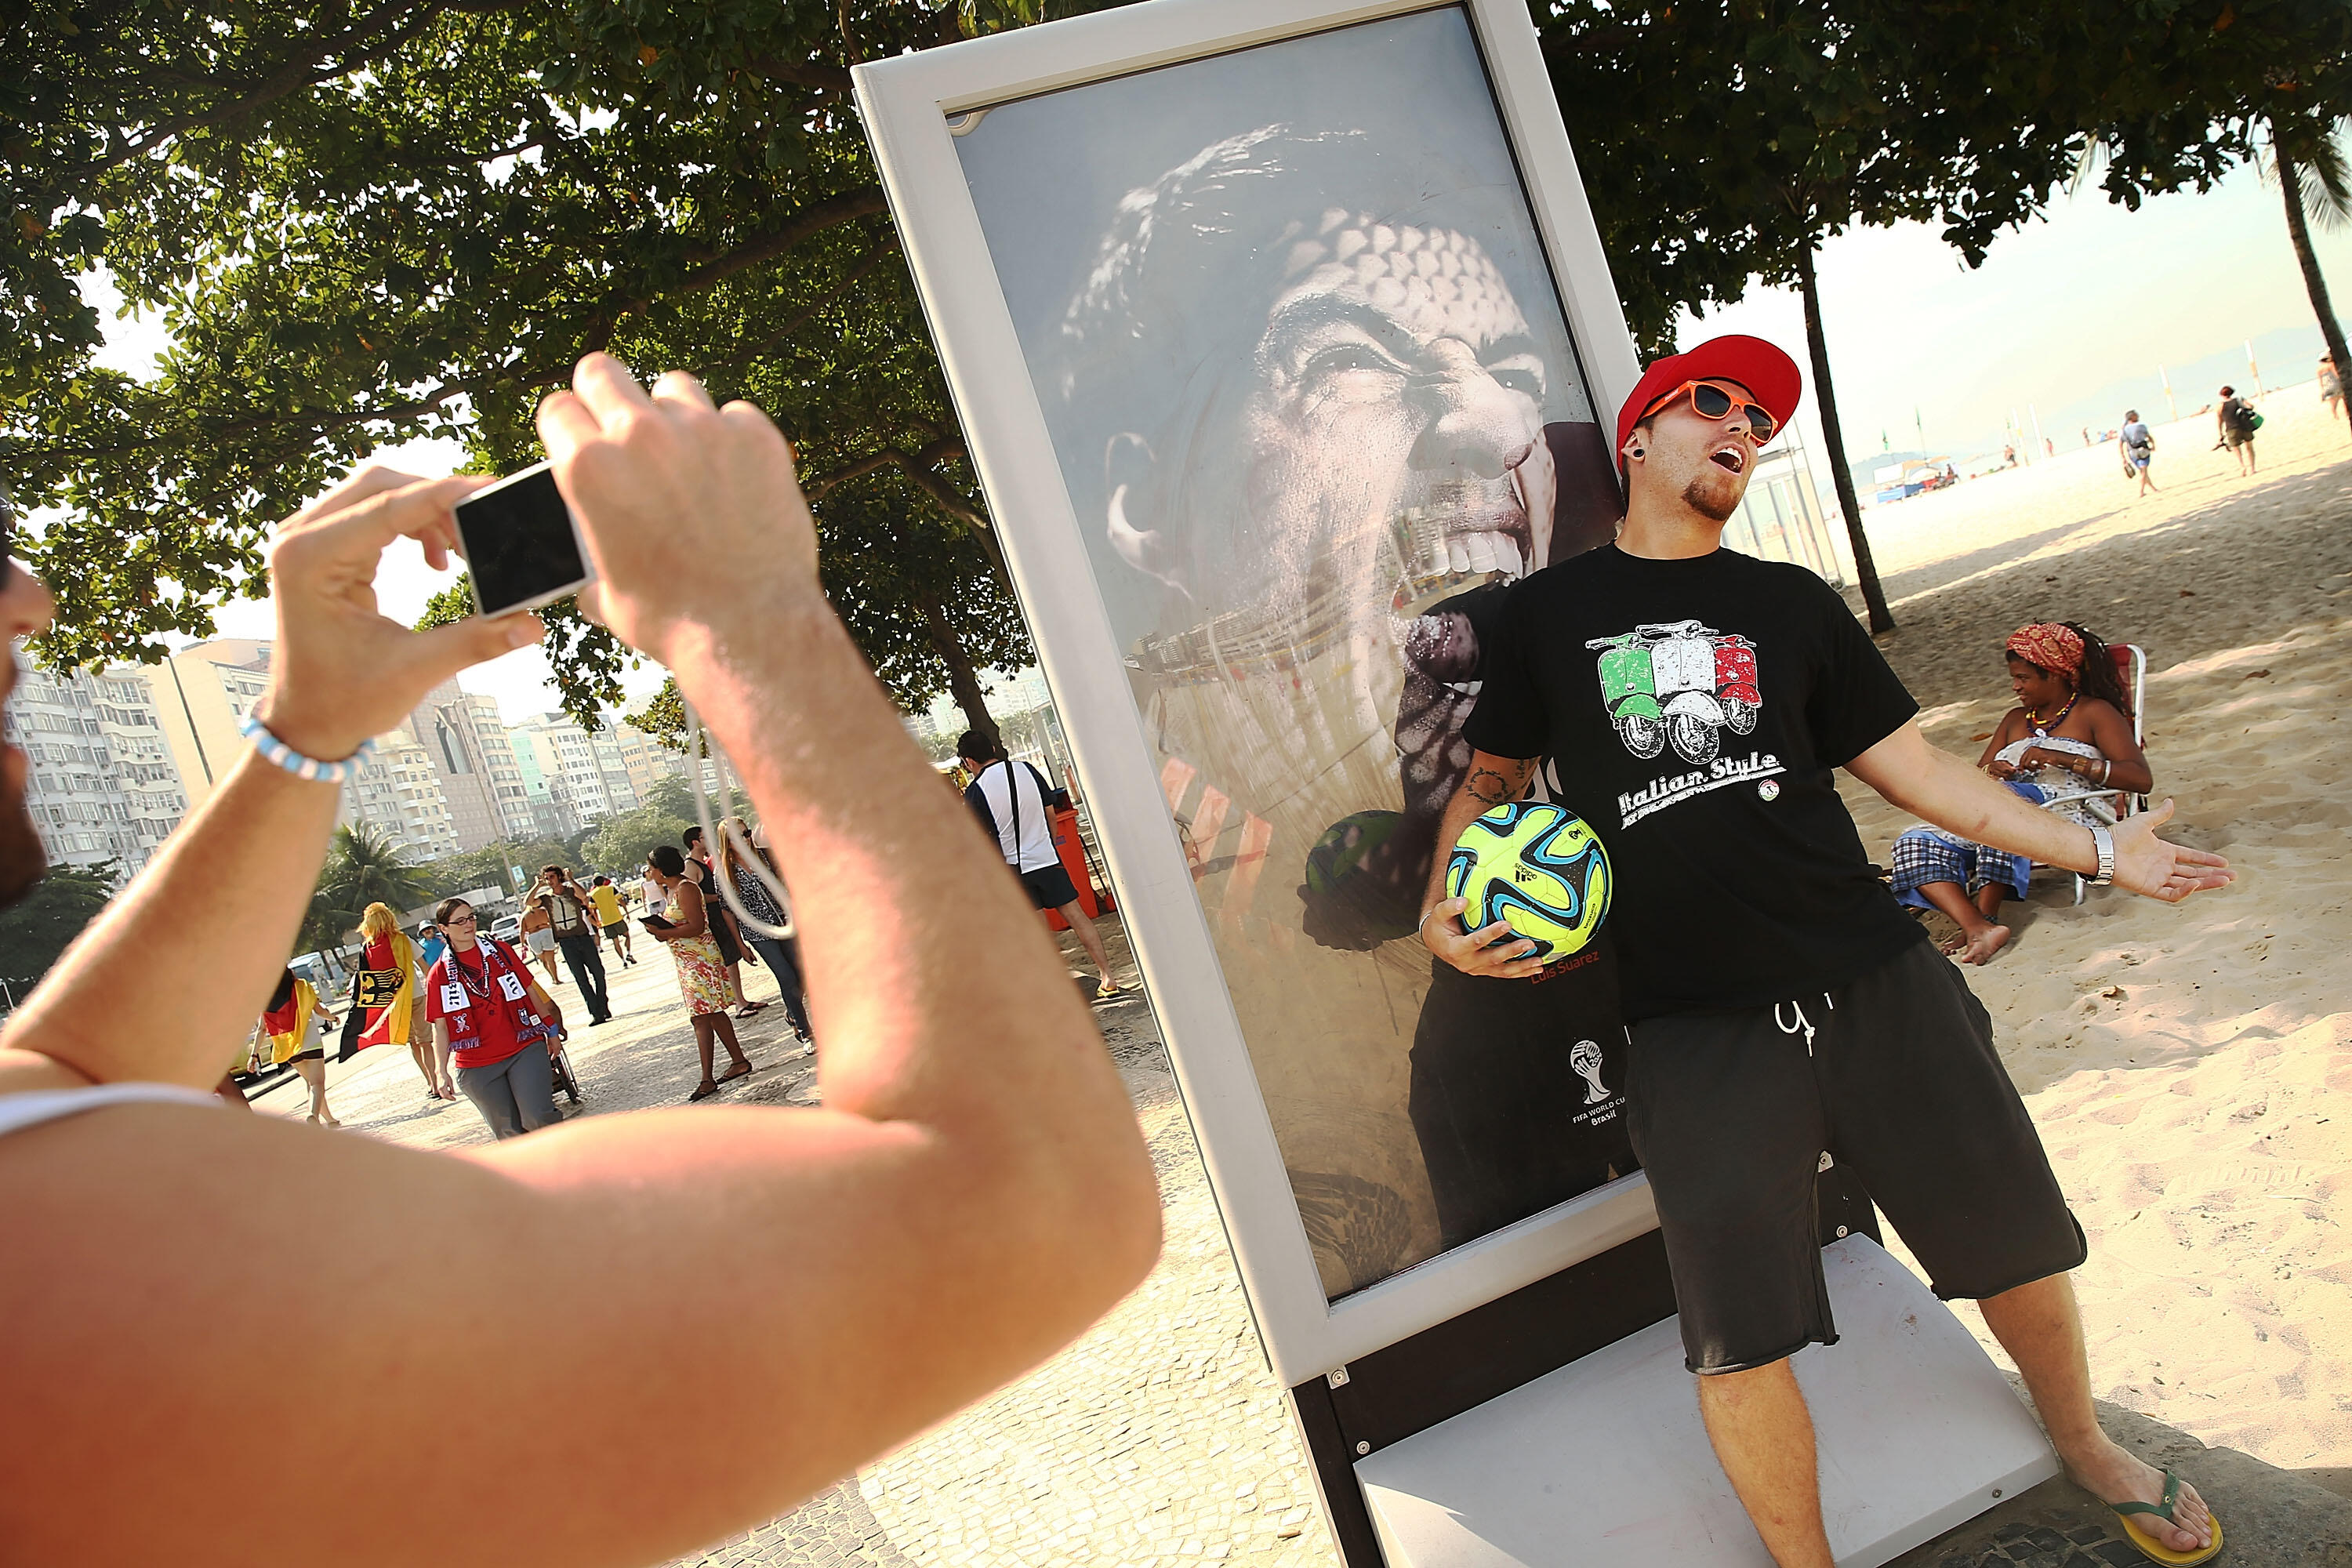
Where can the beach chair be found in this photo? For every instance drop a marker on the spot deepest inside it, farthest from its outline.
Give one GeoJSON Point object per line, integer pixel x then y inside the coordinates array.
{"type": "Point", "coordinates": [2114, 806]}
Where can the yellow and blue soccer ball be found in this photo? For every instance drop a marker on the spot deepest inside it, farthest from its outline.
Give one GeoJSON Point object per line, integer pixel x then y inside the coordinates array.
{"type": "Point", "coordinates": [1539, 867]}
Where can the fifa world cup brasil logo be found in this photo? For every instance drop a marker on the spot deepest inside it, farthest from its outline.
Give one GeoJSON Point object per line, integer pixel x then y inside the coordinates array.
{"type": "Point", "coordinates": [1585, 1057]}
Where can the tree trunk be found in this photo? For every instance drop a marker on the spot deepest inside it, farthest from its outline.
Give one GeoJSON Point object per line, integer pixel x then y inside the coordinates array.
{"type": "Point", "coordinates": [2298, 230]}
{"type": "Point", "coordinates": [963, 681]}
{"type": "Point", "coordinates": [1874, 597]}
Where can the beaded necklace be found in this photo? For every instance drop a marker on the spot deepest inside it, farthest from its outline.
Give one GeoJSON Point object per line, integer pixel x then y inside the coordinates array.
{"type": "Point", "coordinates": [2034, 716]}
{"type": "Point", "coordinates": [466, 974]}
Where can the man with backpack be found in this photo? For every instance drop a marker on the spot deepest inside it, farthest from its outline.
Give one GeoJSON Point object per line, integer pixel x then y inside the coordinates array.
{"type": "Point", "coordinates": [1014, 802]}
{"type": "Point", "coordinates": [2238, 422]}
{"type": "Point", "coordinates": [2138, 444]}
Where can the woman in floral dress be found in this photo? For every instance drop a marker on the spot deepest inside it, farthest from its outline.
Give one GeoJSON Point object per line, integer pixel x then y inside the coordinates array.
{"type": "Point", "coordinates": [701, 976]}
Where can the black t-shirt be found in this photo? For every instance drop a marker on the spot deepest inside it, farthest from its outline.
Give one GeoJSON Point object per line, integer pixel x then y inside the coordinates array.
{"type": "Point", "coordinates": [1693, 711]}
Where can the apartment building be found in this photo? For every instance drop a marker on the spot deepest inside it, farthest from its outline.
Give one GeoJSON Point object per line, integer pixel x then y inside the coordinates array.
{"type": "Point", "coordinates": [581, 778]}
{"type": "Point", "coordinates": [201, 692]}
{"type": "Point", "coordinates": [101, 782]}
{"type": "Point", "coordinates": [474, 757]}
{"type": "Point", "coordinates": [646, 761]}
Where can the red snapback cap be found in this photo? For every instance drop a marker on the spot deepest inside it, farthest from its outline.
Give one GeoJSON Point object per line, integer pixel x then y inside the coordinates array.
{"type": "Point", "coordinates": [1758, 366]}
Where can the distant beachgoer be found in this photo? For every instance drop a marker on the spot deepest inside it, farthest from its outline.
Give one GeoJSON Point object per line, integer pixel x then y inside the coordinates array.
{"type": "Point", "coordinates": [567, 905]}
{"type": "Point", "coordinates": [723, 929]}
{"type": "Point", "coordinates": [780, 954]}
{"type": "Point", "coordinates": [385, 993]}
{"type": "Point", "coordinates": [612, 916]}
{"type": "Point", "coordinates": [1012, 801]}
{"type": "Point", "coordinates": [2137, 443]}
{"type": "Point", "coordinates": [2236, 419]}
{"type": "Point", "coordinates": [286, 1023]}
{"type": "Point", "coordinates": [2070, 732]}
{"type": "Point", "coordinates": [2087, 434]}
{"type": "Point", "coordinates": [686, 932]}
{"type": "Point", "coordinates": [539, 932]}
{"type": "Point", "coordinates": [2331, 386]}
{"type": "Point", "coordinates": [2009, 456]}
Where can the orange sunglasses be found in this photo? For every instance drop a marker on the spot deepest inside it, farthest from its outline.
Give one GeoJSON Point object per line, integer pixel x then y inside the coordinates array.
{"type": "Point", "coordinates": [1711, 400]}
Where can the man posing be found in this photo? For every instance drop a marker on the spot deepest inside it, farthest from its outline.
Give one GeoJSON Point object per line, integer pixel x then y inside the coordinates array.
{"type": "Point", "coordinates": [568, 906]}
{"type": "Point", "coordinates": [1781, 1005]}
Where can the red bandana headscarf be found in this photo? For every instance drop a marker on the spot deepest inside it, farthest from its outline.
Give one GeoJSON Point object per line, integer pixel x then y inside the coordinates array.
{"type": "Point", "coordinates": [2055, 648]}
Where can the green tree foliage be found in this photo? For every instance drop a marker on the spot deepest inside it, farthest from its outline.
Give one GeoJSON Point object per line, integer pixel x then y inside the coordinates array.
{"type": "Point", "coordinates": [621, 842]}
{"type": "Point", "coordinates": [38, 927]}
{"type": "Point", "coordinates": [361, 226]}
{"type": "Point", "coordinates": [488, 867]}
{"type": "Point", "coordinates": [920, 594]}
{"type": "Point", "coordinates": [363, 867]}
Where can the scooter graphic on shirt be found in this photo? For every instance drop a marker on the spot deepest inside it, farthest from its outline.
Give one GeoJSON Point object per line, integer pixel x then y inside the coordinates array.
{"type": "Point", "coordinates": [1678, 681]}
{"type": "Point", "coordinates": [1629, 686]}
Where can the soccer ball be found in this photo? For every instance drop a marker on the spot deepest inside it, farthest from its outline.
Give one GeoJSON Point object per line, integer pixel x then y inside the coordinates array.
{"type": "Point", "coordinates": [1539, 867]}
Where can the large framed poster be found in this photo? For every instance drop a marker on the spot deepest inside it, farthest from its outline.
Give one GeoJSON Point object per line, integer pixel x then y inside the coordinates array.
{"type": "Point", "coordinates": [1284, 342]}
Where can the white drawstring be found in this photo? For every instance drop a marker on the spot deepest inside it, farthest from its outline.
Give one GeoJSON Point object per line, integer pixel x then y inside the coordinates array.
{"type": "Point", "coordinates": [1802, 1022]}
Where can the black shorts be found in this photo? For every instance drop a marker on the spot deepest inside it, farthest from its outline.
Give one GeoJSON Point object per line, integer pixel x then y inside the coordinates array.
{"type": "Point", "coordinates": [315, 1053]}
{"type": "Point", "coordinates": [617, 930]}
{"type": "Point", "coordinates": [1049, 887]}
{"type": "Point", "coordinates": [1895, 1075]}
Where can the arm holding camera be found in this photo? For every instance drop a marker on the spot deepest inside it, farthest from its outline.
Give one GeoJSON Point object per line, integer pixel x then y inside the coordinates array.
{"type": "Point", "coordinates": [951, 1217]}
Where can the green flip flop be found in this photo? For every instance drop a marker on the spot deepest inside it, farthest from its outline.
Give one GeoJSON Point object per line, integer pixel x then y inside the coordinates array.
{"type": "Point", "coordinates": [2148, 1544]}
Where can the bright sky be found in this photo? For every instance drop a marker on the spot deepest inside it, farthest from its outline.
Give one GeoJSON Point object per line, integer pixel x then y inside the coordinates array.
{"type": "Point", "coordinates": [2060, 311]}
{"type": "Point", "coordinates": [2068, 307]}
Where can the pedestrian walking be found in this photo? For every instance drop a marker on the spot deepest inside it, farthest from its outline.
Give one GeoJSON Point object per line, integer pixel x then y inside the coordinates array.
{"type": "Point", "coordinates": [723, 925]}
{"type": "Point", "coordinates": [685, 928]}
{"type": "Point", "coordinates": [430, 944]}
{"type": "Point", "coordinates": [384, 994]}
{"type": "Point", "coordinates": [780, 953]}
{"type": "Point", "coordinates": [2331, 386]}
{"type": "Point", "coordinates": [2137, 442]}
{"type": "Point", "coordinates": [1014, 801]}
{"type": "Point", "coordinates": [568, 908]}
{"type": "Point", "coordinates": [286, 1024]}
{"type": "Point", "coordinates": [538, 931]}
{"type": "Point", "coordinates": [491, 1023]}
{"type": "Point", "coordinates": [612, 916]}
{"type": "Point", "coordinates": [2237, 422]}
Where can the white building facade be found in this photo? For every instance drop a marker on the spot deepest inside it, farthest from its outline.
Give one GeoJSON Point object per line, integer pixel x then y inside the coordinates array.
{"type": "Point", "coordinates": [101, 782]}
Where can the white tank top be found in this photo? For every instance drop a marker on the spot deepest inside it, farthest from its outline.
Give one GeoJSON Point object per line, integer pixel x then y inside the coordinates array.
{"type": "Point", "coordinates": [18, 1111]}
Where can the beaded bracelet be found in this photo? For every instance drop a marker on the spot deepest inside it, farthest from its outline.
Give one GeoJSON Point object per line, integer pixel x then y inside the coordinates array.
{"type": "Point", "coordinates": [293, 762]}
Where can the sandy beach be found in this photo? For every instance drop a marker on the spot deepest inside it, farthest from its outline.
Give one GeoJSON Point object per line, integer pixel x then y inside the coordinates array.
{"type": "Point", "coordinates": [2190, 1067]}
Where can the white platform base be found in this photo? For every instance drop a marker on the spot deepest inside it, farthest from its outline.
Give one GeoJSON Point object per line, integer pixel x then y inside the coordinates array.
{"type": "Point", "coordinates": [1603, 1464]}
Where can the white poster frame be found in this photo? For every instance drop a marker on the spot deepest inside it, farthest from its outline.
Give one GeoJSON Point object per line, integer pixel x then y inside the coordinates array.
{"type": "Point", "coordinates": [907, 104]}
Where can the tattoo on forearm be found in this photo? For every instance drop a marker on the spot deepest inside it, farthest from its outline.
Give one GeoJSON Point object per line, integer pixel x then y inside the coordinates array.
{"type": "Point", "coordinates": [1487, 785]}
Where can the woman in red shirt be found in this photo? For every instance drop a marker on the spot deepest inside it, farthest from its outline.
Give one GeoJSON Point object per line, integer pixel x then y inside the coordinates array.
{"type": "Point", "coordinates": [491, 1023]}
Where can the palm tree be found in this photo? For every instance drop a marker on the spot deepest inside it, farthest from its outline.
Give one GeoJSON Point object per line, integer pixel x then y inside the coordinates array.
{"type": "Point", "coordinates": [364, 867]}
{"type": "Point", "coordinates": [2317, 182]}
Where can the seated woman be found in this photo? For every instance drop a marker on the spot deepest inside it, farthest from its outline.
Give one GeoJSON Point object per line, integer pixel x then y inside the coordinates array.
{"type": "Point", "coordinates": [2070, 735]}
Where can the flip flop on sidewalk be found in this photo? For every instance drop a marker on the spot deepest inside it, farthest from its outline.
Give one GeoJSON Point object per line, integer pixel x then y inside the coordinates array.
{"type": "Point", "coordinates": [2148, 1544]}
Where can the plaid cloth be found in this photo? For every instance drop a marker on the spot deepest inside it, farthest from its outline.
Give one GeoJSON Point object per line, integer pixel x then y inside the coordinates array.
{"type": "Point", "coordinates": [1924, 855]}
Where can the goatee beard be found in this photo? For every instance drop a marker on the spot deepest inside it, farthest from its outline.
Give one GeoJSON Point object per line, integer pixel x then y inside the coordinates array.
{"type": "Point", "coordinates": [1700, 495]}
